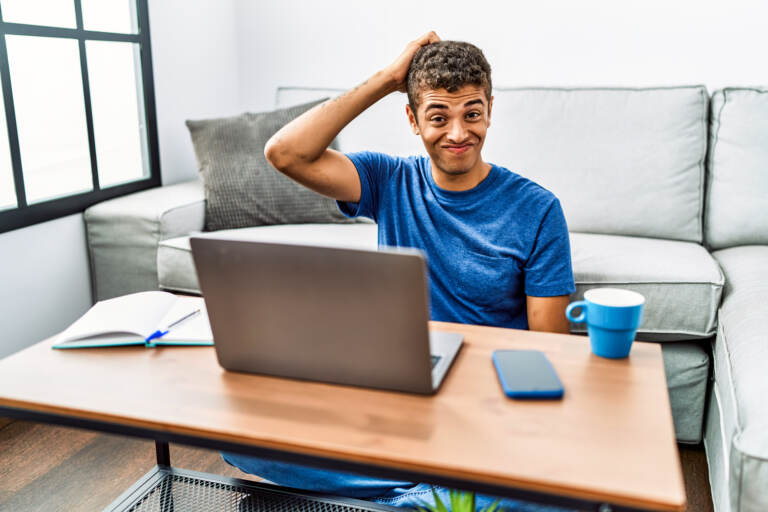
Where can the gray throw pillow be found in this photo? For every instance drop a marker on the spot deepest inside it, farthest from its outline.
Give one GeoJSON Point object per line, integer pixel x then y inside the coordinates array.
{"type": "Point", "coordinates": [241, 188]}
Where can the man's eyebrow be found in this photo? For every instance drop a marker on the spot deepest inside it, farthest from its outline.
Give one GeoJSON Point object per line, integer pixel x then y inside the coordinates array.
{"type": "Point", "coordinates": [435, 105]}
{"type": "Point", "coordinates": [442, 106]}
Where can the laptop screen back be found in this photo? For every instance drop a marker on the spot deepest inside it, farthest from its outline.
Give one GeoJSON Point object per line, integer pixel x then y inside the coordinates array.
{"type": "Point", "coordinates": [336, 315]}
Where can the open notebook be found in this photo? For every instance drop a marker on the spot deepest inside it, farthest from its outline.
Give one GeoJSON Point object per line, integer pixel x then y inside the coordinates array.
{"type": "Point", "coordinates": [138, 319]}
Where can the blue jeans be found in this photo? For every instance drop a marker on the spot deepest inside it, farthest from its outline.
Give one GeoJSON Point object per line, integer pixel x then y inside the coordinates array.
{"type": "Point", "coordinates": [387, 492]}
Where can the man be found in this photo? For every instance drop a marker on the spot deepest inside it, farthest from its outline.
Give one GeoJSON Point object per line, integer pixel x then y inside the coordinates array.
{"type": "Point", "coordinates": [496, 243]}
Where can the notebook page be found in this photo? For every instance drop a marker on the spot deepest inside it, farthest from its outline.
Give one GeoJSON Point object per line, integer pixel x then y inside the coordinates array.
{"type": "Point", "coordinates": [196, 328]}
{"type": "Point", "coordinates": [103, 340]}
{"type": "Point", "coordinates": [137, 313]}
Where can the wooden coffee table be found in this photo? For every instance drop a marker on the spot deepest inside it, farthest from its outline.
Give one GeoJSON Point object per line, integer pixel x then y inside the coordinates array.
{"type": "Point", "coordinates": [608, 445]}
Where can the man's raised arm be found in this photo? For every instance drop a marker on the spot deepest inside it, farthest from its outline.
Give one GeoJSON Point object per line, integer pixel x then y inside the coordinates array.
{"type": "Point", "coordinates": [300, 149]}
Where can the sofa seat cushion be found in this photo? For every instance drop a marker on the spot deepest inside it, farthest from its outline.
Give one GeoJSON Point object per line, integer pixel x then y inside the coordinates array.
{"type": "Point", "coordinates": [741, 370]}
{"type": "Point", "coordinates": [176, 270]}
{"type": "Point", "coordinates": [680, 281]}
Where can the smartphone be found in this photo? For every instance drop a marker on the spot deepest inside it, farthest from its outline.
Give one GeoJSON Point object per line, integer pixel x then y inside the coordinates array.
{"type": "Point", "coordinates": [526, 374]}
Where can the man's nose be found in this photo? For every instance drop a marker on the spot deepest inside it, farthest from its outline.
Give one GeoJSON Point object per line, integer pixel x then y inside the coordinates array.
{"type": "Point", "coordinates": [457, 131]}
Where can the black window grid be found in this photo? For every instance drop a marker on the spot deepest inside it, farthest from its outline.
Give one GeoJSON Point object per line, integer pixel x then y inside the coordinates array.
{"type": "Point", "coordinates": [25, 214]}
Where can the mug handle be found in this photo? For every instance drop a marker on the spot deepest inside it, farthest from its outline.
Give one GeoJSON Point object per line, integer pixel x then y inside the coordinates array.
{"type": "Point", "coordinates": [573, 305]}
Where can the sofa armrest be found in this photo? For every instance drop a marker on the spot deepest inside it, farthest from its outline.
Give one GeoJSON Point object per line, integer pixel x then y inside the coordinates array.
{"type": "Point", "coordinates": [123, 235]}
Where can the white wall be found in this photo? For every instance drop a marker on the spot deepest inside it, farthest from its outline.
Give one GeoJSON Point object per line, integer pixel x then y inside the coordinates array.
{"type": "Point", "coordinates": [45, 281]}
{"type": "Point", "coordinates": [338, 43]}
{"type": "Point", "coordinates": [195, 65]}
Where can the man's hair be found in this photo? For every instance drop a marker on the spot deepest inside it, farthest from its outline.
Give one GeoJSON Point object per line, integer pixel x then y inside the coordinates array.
{"type": "Point", "coordinates": [448, 65]}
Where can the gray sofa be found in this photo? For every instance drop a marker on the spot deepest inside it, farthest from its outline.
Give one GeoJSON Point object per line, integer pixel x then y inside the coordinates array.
{"type": "Point", "coordinates": [665, 192]}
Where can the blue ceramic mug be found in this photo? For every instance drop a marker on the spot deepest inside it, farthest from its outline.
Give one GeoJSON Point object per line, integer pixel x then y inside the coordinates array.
{"type": "Point", "coordinates": [612, 316]}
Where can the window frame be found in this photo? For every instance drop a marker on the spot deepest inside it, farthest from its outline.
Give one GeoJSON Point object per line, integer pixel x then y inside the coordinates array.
{"type": "Point", "coordinates": [24, 214]}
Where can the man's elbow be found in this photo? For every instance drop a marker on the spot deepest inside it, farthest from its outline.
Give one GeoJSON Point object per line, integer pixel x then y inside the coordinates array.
{"type": "Point", "coordinates": [285, 159]}
{"type": "Point", "coordinates": [277, 155]}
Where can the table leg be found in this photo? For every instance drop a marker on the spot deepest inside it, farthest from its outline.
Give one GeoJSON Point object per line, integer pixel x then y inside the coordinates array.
{"type": "Point", "coordinates": [163, 453]}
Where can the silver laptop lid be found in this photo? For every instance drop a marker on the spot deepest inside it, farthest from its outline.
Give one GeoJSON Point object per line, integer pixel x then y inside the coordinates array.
{"type": "Point", "coordinates": [336, 315]}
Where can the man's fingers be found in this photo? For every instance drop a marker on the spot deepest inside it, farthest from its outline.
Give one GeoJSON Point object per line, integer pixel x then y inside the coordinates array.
{"type": "Point", "coordinates": [428, 38]}
{"type": "Point", "coordinates": [398, 70]}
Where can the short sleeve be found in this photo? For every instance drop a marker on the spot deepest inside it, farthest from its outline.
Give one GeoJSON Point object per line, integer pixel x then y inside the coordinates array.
{"type": "Point", "coordinates": [372, 168]}
{"type": "Point", "coordinates": [548, 271]}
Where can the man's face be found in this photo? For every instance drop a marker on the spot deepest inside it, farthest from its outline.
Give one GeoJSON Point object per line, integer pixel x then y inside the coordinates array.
{"type": "Point", "coordinates": [452, 126]}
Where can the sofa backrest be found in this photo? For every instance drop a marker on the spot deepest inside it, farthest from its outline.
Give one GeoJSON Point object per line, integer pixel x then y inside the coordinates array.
{"type": "Point", "coordinates": [737, 180]}
{"type": "Point", "coordinates": [621, 161]}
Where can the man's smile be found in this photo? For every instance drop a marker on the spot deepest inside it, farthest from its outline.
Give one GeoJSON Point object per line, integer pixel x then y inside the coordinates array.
{"type": "Point", "coordinates": [458, 149]}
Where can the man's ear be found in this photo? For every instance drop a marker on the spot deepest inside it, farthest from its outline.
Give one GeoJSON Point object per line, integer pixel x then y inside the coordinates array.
{"type": "Point", "coordinates": [490, 104]}
{"type": "Point", "coordinates": [412, 119]}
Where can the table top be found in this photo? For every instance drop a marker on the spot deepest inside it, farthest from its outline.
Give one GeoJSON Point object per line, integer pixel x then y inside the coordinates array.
{"type": "Point", "coordinates": [610, 438]}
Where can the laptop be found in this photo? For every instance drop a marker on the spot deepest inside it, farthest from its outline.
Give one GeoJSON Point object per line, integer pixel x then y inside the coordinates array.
{"type": "Point", "coordinates": [346, 316]}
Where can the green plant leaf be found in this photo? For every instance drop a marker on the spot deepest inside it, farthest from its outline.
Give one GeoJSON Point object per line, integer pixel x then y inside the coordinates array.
{"type": "Point", "coordinates": [469, 501]}
{"type": "Point", "coordinates": [460, 501]}
{"type": "Point", "coordinates": [439, 506]}
{"type": "Point", "coordinates": [456, 501]}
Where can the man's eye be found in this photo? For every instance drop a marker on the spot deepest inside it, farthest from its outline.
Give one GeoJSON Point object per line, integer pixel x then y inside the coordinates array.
{"type": "Point", "coordinates": [473, 115]}
{"type": "Point", "coordinates": [437, 119]}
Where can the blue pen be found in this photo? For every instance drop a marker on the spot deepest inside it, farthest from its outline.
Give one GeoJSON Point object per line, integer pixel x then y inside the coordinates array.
{"type": "Point", "coordinates": [160, 333]}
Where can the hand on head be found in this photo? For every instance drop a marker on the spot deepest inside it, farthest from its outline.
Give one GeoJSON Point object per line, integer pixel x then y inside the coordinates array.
{"type": "Point", "coordinates": [398, 70]}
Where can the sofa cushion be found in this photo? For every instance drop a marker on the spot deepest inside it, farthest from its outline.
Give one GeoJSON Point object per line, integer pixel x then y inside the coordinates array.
{"type": "Point", "coordinates": [737, 186]}
{"type": "Point", "coordinates": [681, 282]}
{"type": "Point", "coordinates": [740, 361]}
{"type": "Point", "coordinates": [621, 161]}
{"type": "Point", "coordinates": [241, 188]}
{"type": "Point", "coordinates": [176, 270]}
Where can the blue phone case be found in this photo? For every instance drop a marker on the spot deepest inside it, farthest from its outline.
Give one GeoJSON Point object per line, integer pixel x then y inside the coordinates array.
{"type": "Point", "coordinates": [527, 374]}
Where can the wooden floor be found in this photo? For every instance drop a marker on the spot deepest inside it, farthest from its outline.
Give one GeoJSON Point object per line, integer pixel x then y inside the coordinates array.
{"type": "Point", "coordinates": [62, 469]}
{"type": "Point", "coordinates": [45, 468]}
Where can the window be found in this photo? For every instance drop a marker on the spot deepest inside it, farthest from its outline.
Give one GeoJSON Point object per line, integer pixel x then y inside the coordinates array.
{"type": "Point", "coordinates": [77, 104]}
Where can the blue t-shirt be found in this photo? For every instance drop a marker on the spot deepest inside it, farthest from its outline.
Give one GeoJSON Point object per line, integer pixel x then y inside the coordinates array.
{"type": "Point", "coordinates": [487, 247]}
